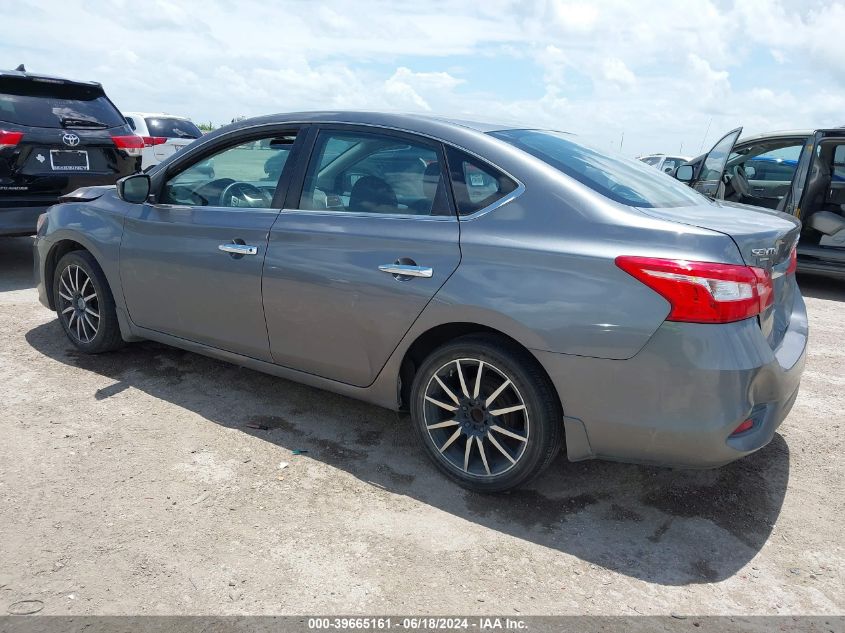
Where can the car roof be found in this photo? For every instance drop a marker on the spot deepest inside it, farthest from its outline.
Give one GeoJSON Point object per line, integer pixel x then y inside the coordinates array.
{"type": "Point", "coordinates": [421, 123]}
{"type": "Point", "coordinates": [777, 134]}
{"type": "Point", "coordinates": [22, 74]}
{"type": "Point", "coordinates": [156, 114]}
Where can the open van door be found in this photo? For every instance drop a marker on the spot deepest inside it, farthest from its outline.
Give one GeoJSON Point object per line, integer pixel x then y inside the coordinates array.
{"type": "Point", "coordinates": [798, 202]}
{"type": "Point", "coordinates": [817, 198]}
{"type": "Point", "coordinates": [709, 178]}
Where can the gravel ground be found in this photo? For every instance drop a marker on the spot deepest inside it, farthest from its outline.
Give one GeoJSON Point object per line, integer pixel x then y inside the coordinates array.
{"type": "Point", "coordinates": [155, 481]}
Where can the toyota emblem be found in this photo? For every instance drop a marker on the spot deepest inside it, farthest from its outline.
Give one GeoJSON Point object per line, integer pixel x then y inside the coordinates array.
{"type": "Point", "coordinates": [71, 140]}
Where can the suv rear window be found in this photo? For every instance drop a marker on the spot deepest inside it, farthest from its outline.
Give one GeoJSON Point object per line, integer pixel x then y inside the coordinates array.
{"type": "Point", "coordinates": [172, 127]}
{"type": "Point", "coordinates": [629, 182]}
{"type": "Point", "coordinates": [37, 103]}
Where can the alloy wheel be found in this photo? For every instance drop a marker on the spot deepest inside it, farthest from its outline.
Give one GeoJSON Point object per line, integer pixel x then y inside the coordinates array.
{"type": "Point", "coordinates": [476, 417]}
{"type": "Point", "coordinates": [80, 305]}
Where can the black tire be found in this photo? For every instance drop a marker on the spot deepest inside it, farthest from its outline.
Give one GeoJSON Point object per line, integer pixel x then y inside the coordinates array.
{"type": "Point", "coordinates": [89, 333]}
{"type": "Point", "coordinates": [538, 418]}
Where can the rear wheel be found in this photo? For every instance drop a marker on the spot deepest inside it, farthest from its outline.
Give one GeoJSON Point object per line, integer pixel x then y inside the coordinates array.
{"type": "Point", "coordinates": [84, 304]}
{"type": "Point", "coordinates": [486, 413]}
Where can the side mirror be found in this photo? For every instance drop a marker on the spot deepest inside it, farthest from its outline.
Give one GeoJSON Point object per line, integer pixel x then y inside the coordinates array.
{"type": "Point", "coordinates": [750, 172]}
{"type": "Point", "coordinates": [134, 188]}
{"type": "Point", "coordinates": [684, 173]}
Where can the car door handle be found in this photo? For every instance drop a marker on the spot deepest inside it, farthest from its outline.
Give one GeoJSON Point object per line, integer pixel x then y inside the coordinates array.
{"type": "Point", "coordinates": [238, 249]}
{"type": "Point", "coordinates": [406, 270]}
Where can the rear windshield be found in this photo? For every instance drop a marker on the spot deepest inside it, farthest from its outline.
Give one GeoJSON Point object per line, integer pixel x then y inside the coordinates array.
{"type": "Point", "coordinates": [43, 104]}
{"type": "Point", "coordinates": [621, 179]}
{"type": "Point", "coordinates": [172, 127]}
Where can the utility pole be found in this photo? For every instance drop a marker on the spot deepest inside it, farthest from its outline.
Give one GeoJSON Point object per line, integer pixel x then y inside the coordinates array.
{"type": "Point", "coordinates": [705, 134]}
{"type": "Point", "coordinates": [622, 140]}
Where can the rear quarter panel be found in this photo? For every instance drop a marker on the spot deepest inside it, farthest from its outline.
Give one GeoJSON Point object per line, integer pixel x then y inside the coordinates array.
{"type": "Point", "coordinates": [542, 270]}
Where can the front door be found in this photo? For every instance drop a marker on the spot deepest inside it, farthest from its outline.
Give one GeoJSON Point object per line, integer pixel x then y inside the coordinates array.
{"type": "Point", "coordinates": [191, 262]}
{"type": "Point", "coordinates": [355, 257]}
{"type": "Point", "coordinates": [709, 180]}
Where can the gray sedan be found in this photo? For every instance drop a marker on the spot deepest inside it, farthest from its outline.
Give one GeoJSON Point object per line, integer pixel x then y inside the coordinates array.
{"type": "Point", "coordinates": [516, 290]}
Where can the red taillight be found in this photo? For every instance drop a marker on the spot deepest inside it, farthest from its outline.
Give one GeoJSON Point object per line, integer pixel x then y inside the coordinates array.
{"type": "Point", "coordinates": [9, 139]}
{"type": "Point", "coordinates": [149, 141]}
{"type": "Point", "coordinates": [703, 292]}
{"type": "Point", "coordinates": [742, 428]}
{"type": "Point", "coordinates": [131, 144]}
{"type": "Point", "coordinates": [793, 261]}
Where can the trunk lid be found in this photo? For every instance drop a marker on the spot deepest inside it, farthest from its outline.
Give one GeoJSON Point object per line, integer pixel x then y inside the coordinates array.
{"type": "Point", "coordinates": [765, 239]}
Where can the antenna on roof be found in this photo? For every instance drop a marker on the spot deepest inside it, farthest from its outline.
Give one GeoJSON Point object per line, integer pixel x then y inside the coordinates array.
{"type": "Point", "coordinates": [21, 68]}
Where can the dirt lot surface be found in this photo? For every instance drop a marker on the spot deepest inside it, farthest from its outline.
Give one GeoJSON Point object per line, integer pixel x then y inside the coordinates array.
{"type": "Point", "coordinates": [135, 483]}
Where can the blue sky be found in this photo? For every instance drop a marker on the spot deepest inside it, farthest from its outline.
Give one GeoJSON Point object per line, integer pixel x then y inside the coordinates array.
{"type": "Point", "coordinates": [658, 72]}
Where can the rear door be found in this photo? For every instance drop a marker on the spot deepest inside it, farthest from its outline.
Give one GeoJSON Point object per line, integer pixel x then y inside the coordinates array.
{"type": "Point", "coordinates": [709, 179]}
{"type": "Point", "coordinates": [360, 248]}
{"type": "Point", "coordinates": [191, 260]}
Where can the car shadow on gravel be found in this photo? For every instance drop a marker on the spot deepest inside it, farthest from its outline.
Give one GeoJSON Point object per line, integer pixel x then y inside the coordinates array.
{"type": "Point", "coordinates": [16, 263]}
{"type": "Point", "coordinates": [820, 287]}
{"type": "Point", "coordinates": [659, 525]}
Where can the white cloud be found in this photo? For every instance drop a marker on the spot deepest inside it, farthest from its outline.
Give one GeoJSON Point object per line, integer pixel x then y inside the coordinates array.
{"type": "Point", "coordinates": [616, 72]}
{"type": "Point", "coordinates": [656, 71]}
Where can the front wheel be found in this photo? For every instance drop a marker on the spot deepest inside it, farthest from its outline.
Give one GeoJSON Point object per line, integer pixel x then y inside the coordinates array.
{"type": "Point", "coordinates": [486, 413]}
{"type": "Point", "coordinates": [84, 304]}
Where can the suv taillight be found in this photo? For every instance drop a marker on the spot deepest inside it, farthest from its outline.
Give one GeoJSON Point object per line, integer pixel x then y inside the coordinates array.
{"type": "Point", "coordinates": [131, 144]}
{"type": "Point", "coordinates": [149, 141]}
{"type": "Point", "coordinates": [703, 292]}
{"type": "Point", "coordinates": [9, 139]}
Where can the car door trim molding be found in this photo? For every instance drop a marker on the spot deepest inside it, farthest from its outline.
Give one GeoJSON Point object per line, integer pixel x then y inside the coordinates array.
{"type": "Point", "coordinates": [386, 216]}
{"type": "Point", "coordinates": [513, 195]}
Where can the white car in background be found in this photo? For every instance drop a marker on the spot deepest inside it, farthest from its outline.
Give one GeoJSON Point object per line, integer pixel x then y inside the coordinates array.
{"type": "Point", "coordinates": [163, 134]}
{"type": "Point", "coordinates": [663, 162]}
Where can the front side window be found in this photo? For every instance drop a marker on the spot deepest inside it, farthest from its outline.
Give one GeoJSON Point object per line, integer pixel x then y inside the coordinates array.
{"type": "Point", "coordinates": [243, 176]}
{"type": "Point", "coordinates": [476, 184]}
{"type": "Point", "coordinates": [623, 180]}
{"type": "Point", "coordinates": [717, 158]}
{"type": "Point", "coordinates": [651, 160]}
{"type": "Point", "coordinates": [761, 163]}
{"type": "Point", "coordinates": [362, 172]}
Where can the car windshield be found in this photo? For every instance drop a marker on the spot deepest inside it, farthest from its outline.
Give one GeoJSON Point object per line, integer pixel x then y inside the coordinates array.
{"type": "Point", "coordinates": [172, 127]}
{"type": "Point", "coordinates": [621, 179]}
{"type": "Point", "coordinates": [37, 103]}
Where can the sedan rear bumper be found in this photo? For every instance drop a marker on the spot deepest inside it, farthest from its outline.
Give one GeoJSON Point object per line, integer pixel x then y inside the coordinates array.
{"type": "Point", "coordinates": [677, 402]}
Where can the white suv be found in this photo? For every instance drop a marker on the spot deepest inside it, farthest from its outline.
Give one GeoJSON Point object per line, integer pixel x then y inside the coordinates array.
{"type": "Point", "coordinates": [163, 134]}
{"type": "Point", "coordinates": [664, 163]}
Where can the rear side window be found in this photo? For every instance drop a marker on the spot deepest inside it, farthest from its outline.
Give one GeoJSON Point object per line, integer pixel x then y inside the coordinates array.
{"type": "Point", "coordinates": [171, 127]}
{"type": "Point", "coordinates": [777, 165]}
{"type": "Point", "coordinates": [43, 104]}
{"type": "Point", "coordinates": [626, 181]}
{"type": "Point", "coordinates": [476, 184]}
{"type": "Point", "coordinates": [362, 172]}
